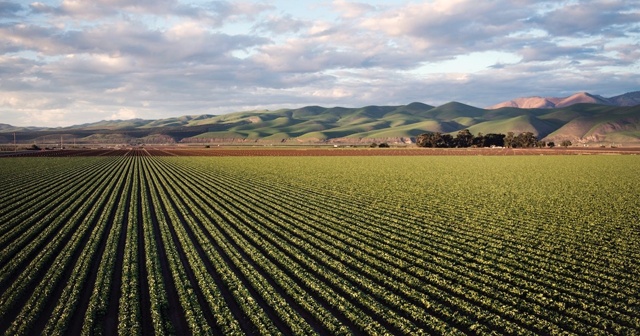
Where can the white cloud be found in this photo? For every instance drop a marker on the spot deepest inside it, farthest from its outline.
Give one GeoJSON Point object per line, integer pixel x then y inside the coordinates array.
{"type": "Point", "coordinates": [8, 101]}
{"type": "Point", "coordinates": [350, 10]}
{"type": "Point", "coordinates": [124, 114]}
{"type": "Point", "coordinates": [51, 117]}
{"type": "Point", "coordinates": [338, 93]}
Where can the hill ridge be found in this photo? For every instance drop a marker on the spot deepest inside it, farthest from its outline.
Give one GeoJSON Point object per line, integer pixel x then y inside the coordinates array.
{"type": "Point", "coordinates": [626, 99]}
{"type": "Point", "coordinates": [580, 122]}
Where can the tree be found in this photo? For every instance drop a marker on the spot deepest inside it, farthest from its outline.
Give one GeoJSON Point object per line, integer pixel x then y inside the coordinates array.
{"type": "Point", "coordinates": [464, 138]}
{"type": "Point", "coordinates": [435, 140]}
{"type": "Point", "coordinates": [446, 141]}
{"type": "Point", "coordinates": [524, 140]}
{"type": "Point", "coordinates": [373, 145]}
{"type": "Point", "coordinates": [428, 139]}
{"type": "Point", "coordinates": [423, 140]}
{"type": "Point", "coordinates": [565, 143]}
{"type": "Point", "coordinates": [478, 141]}
{"type": "Point", "coordinates": [529, 139]}
{"type": "Point", "coordinates": [384, 145]}
{"type": "Point", "coordinates": [494, 139]}
{"type": "Point", "coordinates": [509, 140]}
{"type": "Point", "coordinates": [551, 144]}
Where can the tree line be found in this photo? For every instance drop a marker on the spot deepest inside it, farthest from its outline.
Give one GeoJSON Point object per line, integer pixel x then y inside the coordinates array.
{"type": "Point", "coordinates": [464, 138]}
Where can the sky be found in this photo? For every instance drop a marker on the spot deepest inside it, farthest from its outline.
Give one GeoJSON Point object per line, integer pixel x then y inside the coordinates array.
{"type": "Point", "coordinates": [78, 61]}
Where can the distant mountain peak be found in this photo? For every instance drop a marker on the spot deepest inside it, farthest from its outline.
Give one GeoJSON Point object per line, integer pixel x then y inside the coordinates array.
{"type": "Point", "coordinates": [526, 102]}
{"type": "Point", "coordinates": [583, 97]}
{"type": "Point", "coordinates": [627, 99]}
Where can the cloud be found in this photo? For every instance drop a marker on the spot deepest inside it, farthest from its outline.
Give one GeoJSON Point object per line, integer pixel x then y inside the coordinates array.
{"type": "Point", "coordinates": [603, 17]}
{"type": "Point", "coordinates": [350, 10]}
{"type": "Point", "coordinates": [546, 51]}
{"type": "Point", "coordinates": [30, 110]}
{"type": "Point", "coordinates": [124, 114]}
{"type": "Point", "coordinates": [92, 9]}
{"type": "Point", "coordinates": [184, 42]}
{"type": "Point", "coordinates": [237, 9]}
{"type": "Point", "coordinates": [443, 29]}
{"type": "Point", "coordinates": [625, 54]}
{"type": "Point", "coordinates": [10, 9]}
{"type": "Point", "coordinates": [213, 13]}
{"type": "Point", "coordinates": [450, 27]}
{"type": "Point", "coordinates": [281, 24]}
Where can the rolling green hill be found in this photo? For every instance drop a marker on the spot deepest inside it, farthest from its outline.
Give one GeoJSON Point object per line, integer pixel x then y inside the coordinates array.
{"type": "Point", "coordinates": [580, 123]}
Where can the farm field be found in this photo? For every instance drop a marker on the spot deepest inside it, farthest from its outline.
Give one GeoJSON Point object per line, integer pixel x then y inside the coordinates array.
{"type": "Point", "coordinates": [320, 151]}
{"type": "Point", "coordinates": [139, 242]}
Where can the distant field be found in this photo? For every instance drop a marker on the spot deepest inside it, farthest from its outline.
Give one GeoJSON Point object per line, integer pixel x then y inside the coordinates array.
{"type": "Point", "coordinates": [319, 151]}
{"type": "Point", "coordinates": [142, 242]}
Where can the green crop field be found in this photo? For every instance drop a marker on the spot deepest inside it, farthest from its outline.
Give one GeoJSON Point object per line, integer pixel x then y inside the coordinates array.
{"type": "Point", "coordinates": [135, 245]}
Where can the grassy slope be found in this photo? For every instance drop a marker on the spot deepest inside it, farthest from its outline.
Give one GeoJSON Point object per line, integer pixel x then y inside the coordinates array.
{"type": "Point", "coordinates": [523, 123]}
{"type": "Point", "coordinates": [321, 123]}
{"type": "Point", "coordinates": [599, 122]}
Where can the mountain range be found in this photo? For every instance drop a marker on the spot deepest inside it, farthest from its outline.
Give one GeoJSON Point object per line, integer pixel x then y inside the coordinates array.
{"type": "Point", "coordinates": [581, 118]}
{"type": "Point", "coordinates": [627, 99]}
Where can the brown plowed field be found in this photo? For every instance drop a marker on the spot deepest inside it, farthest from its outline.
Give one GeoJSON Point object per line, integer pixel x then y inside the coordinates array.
{"type": "Point", "coordinates": [238, 151]}
{"type": "Point", "coordinates": [252, 151]}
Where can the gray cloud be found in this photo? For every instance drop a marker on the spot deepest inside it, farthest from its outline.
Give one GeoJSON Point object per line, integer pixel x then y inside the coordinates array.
{"type": "Point", "coordinates": [590, 18]}
{"type": "Point", "coordinates": [545, 51]}
{"type": "Point", "coordinates": [447, 28]}
{"type": "Point", "coordinates": [283, 24]}
{"type": "Point", "coordinates": [10, 9]}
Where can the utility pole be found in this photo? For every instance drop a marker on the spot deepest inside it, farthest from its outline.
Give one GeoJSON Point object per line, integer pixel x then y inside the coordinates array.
{"type": "Point", "coordinates": [15, 144]}
{"type": "Point", "coordinates": [61, 144]}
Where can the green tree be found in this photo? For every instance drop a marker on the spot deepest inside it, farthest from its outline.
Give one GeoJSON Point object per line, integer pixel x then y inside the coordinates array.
{"type": "Point", "coordinates": [429, 139]}
{"type": "Point", "coordinates": [437, 140]}
{"type": "Point", "coordinates": [478, 141]}
{"type": "Point", "coordinates": [494, 139]}
{"type": "Point", "coordinates": [446, 141]}
{"type": "Point", "coordinates": [423, 140]}
{"type": "Point", "coordinates": [524, 140]}
{"type": "Point", "coordinates": [565, 143]}
{"type": "Point", "coordinates": [464, 138]}
{"type": "Point", "coordinates": [509, 140]}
